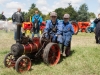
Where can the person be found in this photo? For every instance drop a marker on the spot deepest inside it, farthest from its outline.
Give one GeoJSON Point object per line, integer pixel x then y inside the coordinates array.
{"type": "Point", "coordinates": [97, 30]}
{"type": "Point", "coordinates": [17, 18]}
{"type": "Point", "coordinates": [54, 29]}
{"type": "Point", "coordinates": [68, 31]}
{"type": "Point", "coordinates": [3, 16]}
{"type": "Point", "coordinates": [36, 20]}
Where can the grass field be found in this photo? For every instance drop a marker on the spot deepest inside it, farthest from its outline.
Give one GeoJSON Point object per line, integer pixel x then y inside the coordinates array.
{"type": "Point", "coordinates": [84, 60]}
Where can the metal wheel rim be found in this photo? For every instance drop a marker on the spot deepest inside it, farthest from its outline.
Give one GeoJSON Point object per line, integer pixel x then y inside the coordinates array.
{"type": "Point", "coordinates": [54, 55]}
{"type": "Point", "coordinates": [9, 60]}
{"type": "Point", "coordinates": [24, 64]}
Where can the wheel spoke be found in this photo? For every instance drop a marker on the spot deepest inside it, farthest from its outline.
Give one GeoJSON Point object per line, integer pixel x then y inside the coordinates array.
{"type": "Point", "coordinates": [52, 53]}
{"type": "Point", "coordinates": [52, 59]}
{"type": "Point", "coordinates": [24, 64]}
{"type": "Point", "coordinates": [8, 62]}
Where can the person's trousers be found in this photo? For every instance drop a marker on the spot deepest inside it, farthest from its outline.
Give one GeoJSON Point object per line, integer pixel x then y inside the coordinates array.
{"type": "Point", "coordinates": [35, 31]}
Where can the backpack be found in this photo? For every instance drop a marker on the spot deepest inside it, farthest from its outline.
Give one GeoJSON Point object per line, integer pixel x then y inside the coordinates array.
{"type": "Point", "coordinates": [36, 22]}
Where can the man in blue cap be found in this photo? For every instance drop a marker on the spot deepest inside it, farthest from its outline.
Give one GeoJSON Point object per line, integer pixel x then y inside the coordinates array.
{"type": "Point", "coordinates": [54, 28]}
{"type": "Point", "coordinates": [68, 31]}
{"type": "Point", "coordinates": [36, 20]}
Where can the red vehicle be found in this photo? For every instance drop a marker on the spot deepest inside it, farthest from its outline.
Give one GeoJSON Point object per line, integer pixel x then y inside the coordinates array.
{"type": "Point", "coordinates": [76, 27]}
{"type": "Point", "coordinates": [83, 26]}
{"type": "Point", "coordinates": [26, 49]}
{"type": "Point", "coordinates": [42, 26]}
{"type": "Point", "coordinates": [27, 27]}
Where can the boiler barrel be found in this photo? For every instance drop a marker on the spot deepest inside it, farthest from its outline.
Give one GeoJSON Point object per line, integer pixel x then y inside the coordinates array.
{"type": "Point", "coordinates": [20, 49]}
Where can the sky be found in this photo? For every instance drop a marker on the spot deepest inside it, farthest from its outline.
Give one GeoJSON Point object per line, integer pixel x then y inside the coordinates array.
{"type": "Point", "coordinates": [45, 6]}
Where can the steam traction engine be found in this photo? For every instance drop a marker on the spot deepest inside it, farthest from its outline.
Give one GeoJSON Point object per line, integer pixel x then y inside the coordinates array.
{"type": "Point", "coordinates": [25, 50]}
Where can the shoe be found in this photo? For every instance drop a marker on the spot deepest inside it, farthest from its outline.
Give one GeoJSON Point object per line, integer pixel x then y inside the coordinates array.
{"type": "Point", "coordinates": [67, 51]}
{"type": "Point", "coordinates": [64, 51]}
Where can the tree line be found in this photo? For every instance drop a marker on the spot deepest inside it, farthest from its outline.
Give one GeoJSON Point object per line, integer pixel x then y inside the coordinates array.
{"type": "Point", "coordinates": [81, 14]}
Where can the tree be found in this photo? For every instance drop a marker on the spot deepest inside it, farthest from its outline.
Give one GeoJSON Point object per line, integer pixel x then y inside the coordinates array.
{"type": "Point", "coordinates": [73, 14]}
{"type": "Point", "coordinates": [83, 14]}
{"type": "Point", "coordinates": [44, 17]}
{"type": "Point", "coordinates": [31, 12]}
{"type": "Point", "coordinates": [32, 6]}
{"type": "Point", "coordinates": [9, 18]}
{"type": "Point", "coordinates": [60, 12]}
{"type": "Point", "coordinates": [47, 17]}
{"type": "Point", "coordinates": [92, 15]}
{"type": "Point", "coordinates": [25, 15]}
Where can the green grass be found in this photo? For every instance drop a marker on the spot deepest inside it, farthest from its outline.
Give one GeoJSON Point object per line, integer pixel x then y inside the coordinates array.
{"type": "Point", "coordinates": [84, 60]}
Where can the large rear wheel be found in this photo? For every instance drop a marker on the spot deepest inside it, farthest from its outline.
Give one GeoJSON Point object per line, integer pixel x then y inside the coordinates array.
{"type": "Point", "coordinates": [51, 54]}
{"type": "Point", "coordinates": [76, 27]}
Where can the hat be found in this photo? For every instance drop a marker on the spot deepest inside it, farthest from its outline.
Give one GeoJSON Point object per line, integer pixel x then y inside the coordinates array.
{"type": "Point", "coordinates": [66, 16]}
{"type": "Point", "coordinates": [99, 14]}
{"type": "Point", "coordinates": [53, 14]}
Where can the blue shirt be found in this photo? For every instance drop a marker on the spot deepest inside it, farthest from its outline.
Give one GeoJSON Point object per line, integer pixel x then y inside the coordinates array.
{"type": "Point", "coordinates": [38, 17]}
{"type": "Point", "coordinates": [67, 27]}
{"type": "Point", "coordinates": [50, 26]}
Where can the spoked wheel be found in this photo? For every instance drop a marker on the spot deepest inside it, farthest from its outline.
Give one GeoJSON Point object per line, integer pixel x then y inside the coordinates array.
{"type": "Point", "coordinates": [23, 63]}
{"type": "Point", "coordinates": [9, 60]}
{"type": "Point", "coordinates": [42, 37]}
{"type": "Point", "coordinates": [76, 27]}
{"type": "Point", "coordinates": [51, 54]}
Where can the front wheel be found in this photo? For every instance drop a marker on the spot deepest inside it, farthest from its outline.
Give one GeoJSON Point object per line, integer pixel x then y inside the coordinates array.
{"type": "Point", "coordinates": [23, 63]}
{"type": "Point", "coordinates": [9, 60]}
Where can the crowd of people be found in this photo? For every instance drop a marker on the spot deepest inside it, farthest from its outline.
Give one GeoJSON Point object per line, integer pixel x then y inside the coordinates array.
{"type": "Point", "coordinates": [60, 31]}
